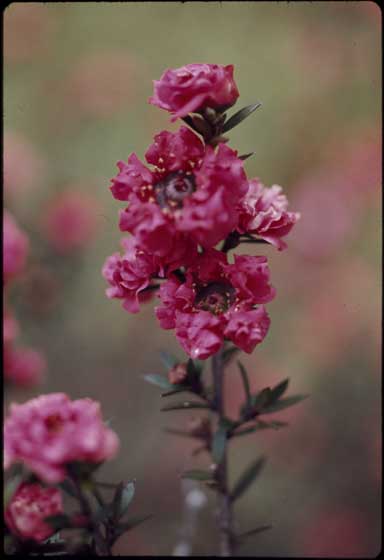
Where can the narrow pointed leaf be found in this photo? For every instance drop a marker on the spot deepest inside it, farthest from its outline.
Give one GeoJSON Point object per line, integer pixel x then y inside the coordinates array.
{"type": "Point", "coordinates": [128, 525]}
{"type": "Point", "coordinates": [168, 360]}
{"type": "Point", "coordinates": [159, 380]}
{"type": "Point", "coordinates": [218, 444]}
{"type": "Point", "coordinates": [260, 426]}
{"type": "Point", "coordinates": [284, 403]}
{"type": "Point", "coordinates": [126, 498]}
{"type": "Point", "coordinates": [261, 399]}
{"type": "Point", "coordinates": [197, 474]}
{"type": "Point", "coordinates": [253, 532]}
{"type": "Point", "coordinates": [182, 433]}
{"type": "Point", "coordinates": [238, 117]}
{"type": "Point", "coordinates": [279, 390]}
{"type": "Point", "coordinates": [247, 478]}
{"type": "Point", "coordinates": [185, 405]}
{"type": "Point", "coordinates": [244, 377]}
{"type": "Point", "coordinates": [246, 156]}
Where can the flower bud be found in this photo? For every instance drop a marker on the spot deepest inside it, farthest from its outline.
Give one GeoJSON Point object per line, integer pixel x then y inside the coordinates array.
{"type": "Point", "coordinates": [178, 374]}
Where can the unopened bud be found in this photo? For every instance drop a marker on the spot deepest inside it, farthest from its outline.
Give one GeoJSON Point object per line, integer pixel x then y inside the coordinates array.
{"type": "Point", "coordinates": [178, 374]}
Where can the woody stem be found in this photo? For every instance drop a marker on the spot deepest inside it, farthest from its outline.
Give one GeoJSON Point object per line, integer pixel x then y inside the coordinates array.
{"type": "Point", "coordinates": [224, 514]}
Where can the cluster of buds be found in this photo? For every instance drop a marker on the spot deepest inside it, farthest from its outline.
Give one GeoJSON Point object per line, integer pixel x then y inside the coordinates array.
{"type": "Point", "coordinates": [195, 196]}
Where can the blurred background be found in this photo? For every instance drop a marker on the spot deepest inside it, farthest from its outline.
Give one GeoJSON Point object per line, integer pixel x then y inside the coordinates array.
{"type": "Point", "coordinates": [77, 77]}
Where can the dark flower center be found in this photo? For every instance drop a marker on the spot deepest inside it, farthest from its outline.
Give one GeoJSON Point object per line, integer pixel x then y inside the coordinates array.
{"type": "Point", "coordinates": [171, 191]}
{"type": "Point", "coordinates": [53, 423]}
{"type": "Point", "coordinates": [215, 298]}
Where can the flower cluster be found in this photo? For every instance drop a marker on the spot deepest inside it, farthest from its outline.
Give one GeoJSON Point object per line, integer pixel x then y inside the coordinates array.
{"type": "Point", "coordinates": [22, 366]}
{"type": "Point", "coordinates": [49, 432]}
{"type": "Point", "coordinates": [193, 195]}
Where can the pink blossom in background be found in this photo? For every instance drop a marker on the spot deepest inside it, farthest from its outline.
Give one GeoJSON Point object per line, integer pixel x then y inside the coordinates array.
{"type": "Point", "coordinates": [193, 87]}
{"type": "Point", "coordinates": [28, 31]}
{"type": "Point", "coordinates": [23, 366]}
{"type": "Point", "coordinates": [263, 212]}
{"type": "Point", "coordinates": [192, 190]}
{"type": "Point", "coordinates": [15, 248]}
{"type": "Point", "coordinates": [50, 431]}
{"type": "Point", "coordinates": [10, 327]}
{"type": "Point", "coordinates": [334, 197]}
{"type": "Point", "coordinates": [41, 289]}
{"type": "Point", "coordinates": [216, 301]}
{"type": "Point", "coordinates": [102, 83]}
{"type": "Point", "coordinates": [70, 220]}
{"type": "Point", "coordinates": [336, 533]}
{"type": "Point", "coordinates": [24, 166]}
{"type": "Point", "coordinates": [28, 508]}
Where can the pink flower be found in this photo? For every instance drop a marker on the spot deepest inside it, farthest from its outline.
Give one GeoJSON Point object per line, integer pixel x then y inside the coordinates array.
{"type": "Point", "coordinates": [192, 191]}
{"type": "Point", "coordinates": [51, 431]}
{"type": "Point", "coordinates": [193, 87]}
{"type": "Point", "coordinates": [70, 220]}
{"type": "Point", "coordinates": [217, 300]}
{"type": "Point", "coordinates": [15, 247]}
{"type": "Point", "coordinates": [24, 166]}
{"type": "Point", "coordinates": [10, 328]}
{"type": "Point", "coordinates": [23, 366]}
{"type": "Point", "coordinates": [264, 213]}
{"type": "Point", "coordinates": [29, 506]}
{"type": "Point", "coordinates": [246, 329]}
{"type": "Point", "coordinates": [129, 275]}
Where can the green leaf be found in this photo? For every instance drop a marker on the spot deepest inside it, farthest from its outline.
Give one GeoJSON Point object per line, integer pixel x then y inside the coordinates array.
{"type": "Point", "coordinates": [126, 498]}
{"type": "Point", "coordinates": [159, 380]}
{"type": "Point", "coordinates": [185, 405]}
{"type": "Point", "coordinates": [238, 117]}
{"type": "Point", "coordinates": [182, 433]}
{"type": "Point", "coordinates": [197, 474]}
{"type": "Point", "coordinates": [218, 444]}
{"type": "Point", "coordinates": [247, 478]}
{"type": "Point", "coordinates": [11, 488]}
{"type": "Point", "coordinates": [260, 426]}
{"type": "Point", "coordinates": [169, 360]}
{"type": "Point", "coordinates": [253, 532]}
{"type": "Point", "coordinates": [261, 399]}
{"type": "Point", "coordinates": [244, 377]}
{"type": "Point", "coordinates": [279, 390]}
{"type": "Point", "coordinates": [284, 403]}
{"type": "Point", "coordinates": [128, 525]}
{"type": "Point", "coordinates": [246, 156]}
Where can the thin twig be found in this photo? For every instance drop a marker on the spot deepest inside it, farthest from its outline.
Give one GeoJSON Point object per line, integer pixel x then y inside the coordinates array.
{"type": "Point", "coordinates": [224, 502]}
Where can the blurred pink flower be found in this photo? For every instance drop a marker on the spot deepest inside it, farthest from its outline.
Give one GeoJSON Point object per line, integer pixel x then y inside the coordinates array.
{"type": "Point", "coordinates": [70, 220]}
{"type": "Point", "coordinates": [24, 166]}
{"type": "Point", "coordinates": [28, 31]}
{"type": "Point", "coordinates": [50, 431]}
{"type": "Point", "coordinates": [336, 533]}
{"type": "Point", "coordinates": [28, 508]}
{"type": "Point", "coordinates": [15, 248]}
{"type": "Point", "coordinates": [10, 327]}
{"type": "Point", "coordinates": [102, 83]}
{"type": "Point", "coordinates": [23, 366]}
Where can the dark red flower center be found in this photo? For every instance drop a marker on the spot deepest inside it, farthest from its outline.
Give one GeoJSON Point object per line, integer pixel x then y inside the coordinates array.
{"type": "Point", "coordinates": [53, 423]}
{"type": "Point", "coordinates": [215, 298]}
{"type": "Point", "coordinates": [171, 191]}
